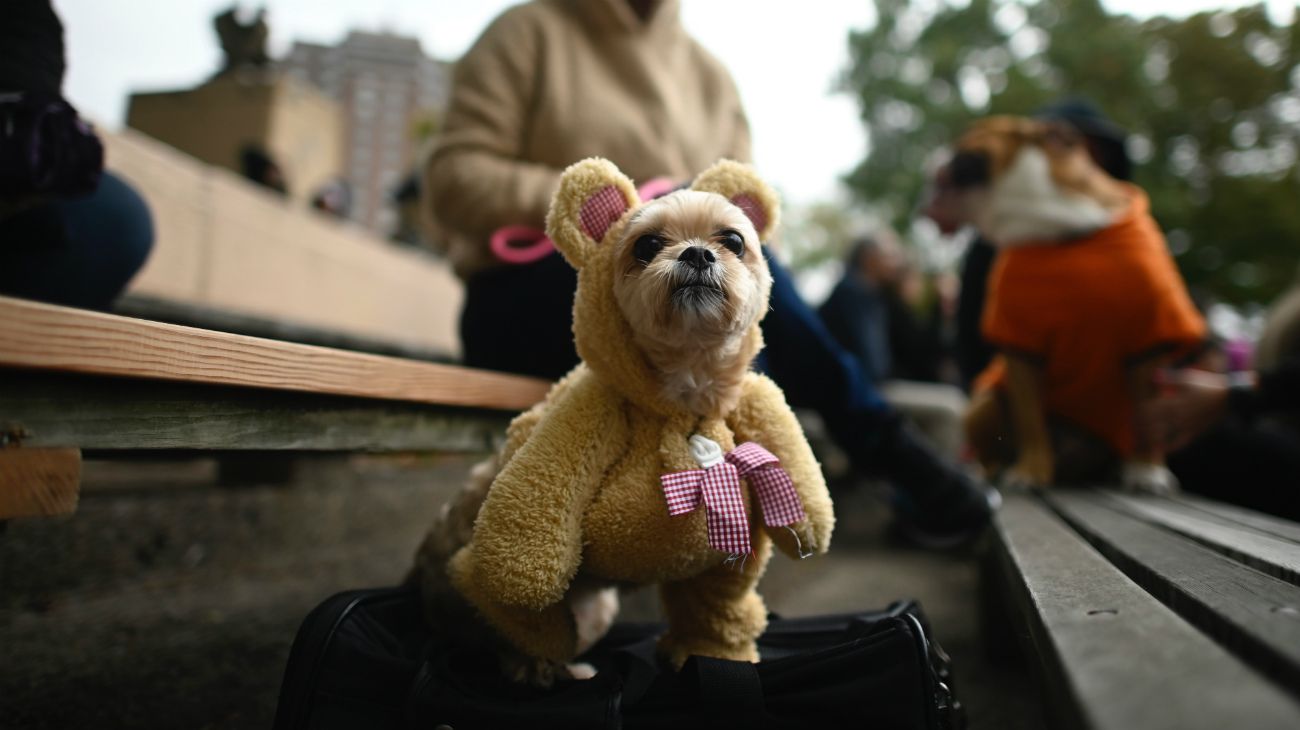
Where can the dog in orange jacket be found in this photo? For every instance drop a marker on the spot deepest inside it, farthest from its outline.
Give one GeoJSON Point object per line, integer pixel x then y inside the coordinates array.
{"type": "Point", "coordinates": [1085, 304]}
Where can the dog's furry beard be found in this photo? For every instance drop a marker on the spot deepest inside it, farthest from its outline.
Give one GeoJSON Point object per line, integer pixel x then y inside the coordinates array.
{"type": "Point", "coordinates": [1026, 206]}
{"type": "Point", "coordinates": [690, 322]}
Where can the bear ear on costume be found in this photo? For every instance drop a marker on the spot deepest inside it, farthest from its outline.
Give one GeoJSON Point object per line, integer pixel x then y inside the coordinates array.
{"type": "Point", "coordinates": [592, 197]}
{"type": "Point", "coordinates": [746, 190]}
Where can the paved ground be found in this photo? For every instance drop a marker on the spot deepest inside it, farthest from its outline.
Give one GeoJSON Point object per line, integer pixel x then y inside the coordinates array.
{"type": "Point", "coordinates": [169, 602]}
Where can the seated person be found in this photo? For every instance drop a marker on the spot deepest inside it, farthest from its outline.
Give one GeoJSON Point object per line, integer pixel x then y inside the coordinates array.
{"type": "Point", "coordinates": [868, 316]}
{"type": "Point", "coordinates": [69, 233]}
{"type": "Point", "coordinates": [1236, 437]}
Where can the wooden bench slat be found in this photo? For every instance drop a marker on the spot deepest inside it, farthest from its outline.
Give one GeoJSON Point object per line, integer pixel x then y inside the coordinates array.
{"type": "Point", "coordinates": [1255, 615]}
{"type": "Point", "coordinates": [61, 409]}
{"type": "Point", "coordinates": [1276, 556]}
{"type": "Point", "coordinates": [1125, 660]}
{"type": "Point", "coordinates": [48, 337]}
{"type": "Point", "coordinates": [1275, 526]}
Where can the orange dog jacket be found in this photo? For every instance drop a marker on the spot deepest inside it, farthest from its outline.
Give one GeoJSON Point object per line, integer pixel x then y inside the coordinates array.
{"type": "Point", "coordinates": [1086, 309]}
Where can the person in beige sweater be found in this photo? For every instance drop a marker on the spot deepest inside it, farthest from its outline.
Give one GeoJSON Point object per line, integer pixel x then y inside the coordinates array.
{"type": "Point", "coordinates": [556, 81]}
{"type": "Point", "coordinates": [552, 82]}
{"type": "Point", "coordinates": [549, 83]}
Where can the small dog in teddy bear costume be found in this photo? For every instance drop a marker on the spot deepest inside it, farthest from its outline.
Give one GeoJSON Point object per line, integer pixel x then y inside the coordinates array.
{"type": "Point", "coordinates": [661, 459]}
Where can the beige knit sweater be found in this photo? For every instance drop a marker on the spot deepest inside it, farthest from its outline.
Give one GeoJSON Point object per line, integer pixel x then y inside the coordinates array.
{"type": "Point", "coordinates": [551, 82]}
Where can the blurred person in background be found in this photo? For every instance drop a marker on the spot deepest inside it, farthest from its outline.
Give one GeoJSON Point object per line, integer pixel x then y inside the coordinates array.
{"type": "Point", "coordinates": [550, 83]}
{"type": "Point", "coordinates": [257, 165]}
{"type": "Point", "coordinates": [70, 232]}
{"type": "Point", "coordinates": [870, 312]}
{"type": "Point", "coordinates": [334, 199]}
{"type": "Point", "coordinates": [857, 312]}
{"type": "Point", "coordinates": [918, 348]}
{"type": "Point", "coordinates": [1235, 436]}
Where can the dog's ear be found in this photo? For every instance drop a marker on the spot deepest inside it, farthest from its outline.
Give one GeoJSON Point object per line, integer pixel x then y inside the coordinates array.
{"type": "Point", "coordinates": [1060, 135]}
{"type": "Point", "coordinates": [746, 190]}
{"type": "Point", "coordinates": [593, 196]}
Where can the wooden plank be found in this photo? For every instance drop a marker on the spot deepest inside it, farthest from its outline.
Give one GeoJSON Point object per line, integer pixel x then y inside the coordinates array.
{"type": "Point", "coordinates": [39, 482]}
{"type": "Point", "coordinates": [1113, 657]}
{"type": "Point", "coordinates": [61, 409]}
{"type": "Point", "coordinates": [1276, 526]}
{"type": "Point", "coordinates": [1253, 614]}
{"type": "Point", "coordinates": [1276, 556]}
{"type": "Point", "coordinates": [48, 337]}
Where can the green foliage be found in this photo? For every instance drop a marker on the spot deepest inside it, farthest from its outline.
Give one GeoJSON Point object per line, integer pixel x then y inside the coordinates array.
{"type": "Point", "coordinates": [1213, 101]}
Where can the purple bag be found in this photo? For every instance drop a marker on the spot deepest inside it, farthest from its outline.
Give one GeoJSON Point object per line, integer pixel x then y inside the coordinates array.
{"type": "Point", "coordinates": [46, 150]}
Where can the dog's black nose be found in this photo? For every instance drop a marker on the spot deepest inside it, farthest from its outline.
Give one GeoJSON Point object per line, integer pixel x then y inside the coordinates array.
{"type": "Point", "coordinates": [697, 256]}
{"type": "Point", "coordinates": [969, 169]}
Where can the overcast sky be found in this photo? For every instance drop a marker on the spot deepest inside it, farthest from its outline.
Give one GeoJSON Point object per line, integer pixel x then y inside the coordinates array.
{"type": "Point", "coordinates": [784, 55]}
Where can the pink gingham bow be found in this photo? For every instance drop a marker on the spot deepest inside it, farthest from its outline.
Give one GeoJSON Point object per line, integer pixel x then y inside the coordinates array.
{"type": "Point", "coordinates": [717, 485]}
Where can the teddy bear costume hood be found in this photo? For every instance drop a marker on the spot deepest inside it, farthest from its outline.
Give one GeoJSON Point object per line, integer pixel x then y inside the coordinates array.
{"type": "Point", "coordinates": [602, 334]}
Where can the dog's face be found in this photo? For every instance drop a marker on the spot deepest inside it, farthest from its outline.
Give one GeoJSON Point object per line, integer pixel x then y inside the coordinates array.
{"type": "Point", "coordinates": [1024, 180]}
{"type": "Point", "coordinates": [670, 291]}
{"type": "Point", "coordinates": [691, 270]}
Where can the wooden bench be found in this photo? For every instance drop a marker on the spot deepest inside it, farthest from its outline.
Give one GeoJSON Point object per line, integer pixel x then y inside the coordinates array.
{"type": "Point", "coordinates": [72, 380]}
{"type": "Point", "coordinates": [1147, 612]}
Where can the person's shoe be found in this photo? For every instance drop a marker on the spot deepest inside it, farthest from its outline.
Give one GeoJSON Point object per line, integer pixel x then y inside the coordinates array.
{"type": "Point", "coordinates": [937, 505]}
{"type": "Point", "coordinates": [945, 529]}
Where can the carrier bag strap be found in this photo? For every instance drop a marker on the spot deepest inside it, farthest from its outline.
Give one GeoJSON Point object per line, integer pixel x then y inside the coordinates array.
{"type": "Point", "coordinates": [638, 667]}
{"type": "Point", "coordinates": [726, 688]}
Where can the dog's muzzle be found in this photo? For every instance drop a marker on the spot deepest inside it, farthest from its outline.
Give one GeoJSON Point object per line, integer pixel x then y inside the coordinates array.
{"type": "Point", "coordinates": [969, 169]}
{"type": "Point", "coordinates": [696, 282]}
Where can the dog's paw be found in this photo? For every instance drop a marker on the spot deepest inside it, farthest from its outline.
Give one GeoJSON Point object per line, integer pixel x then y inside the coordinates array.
{"type": "Point", "coordinates": [1031, 471]}
{"type": "Point", "coordinates": [532, 671]}
{"type": "Point", "coordinates": [580, 670]}
{"type": "Point", "coordinates": [593, 613]}
{"type": "Point", "coordinates": [1016, 479]}
{"type": "Point", "coordinates": [1149, 478]}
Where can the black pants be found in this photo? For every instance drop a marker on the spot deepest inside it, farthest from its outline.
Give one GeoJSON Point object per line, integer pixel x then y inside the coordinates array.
{"type": "Point", "coordinates": [80, 252]}
{"type": "Point", "coordinates": [1253, 465]}
{"type": "Point", "coordinates": [519, 319]}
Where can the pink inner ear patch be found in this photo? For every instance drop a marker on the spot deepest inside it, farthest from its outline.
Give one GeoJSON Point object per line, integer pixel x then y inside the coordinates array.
{"type": "Point", "coordinates": [601, 210]}
{"type": "Point", "coordinates": [753, 210]}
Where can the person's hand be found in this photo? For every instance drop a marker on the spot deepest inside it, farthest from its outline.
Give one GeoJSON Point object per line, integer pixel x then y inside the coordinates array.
{"type": "Point", "coordinates": [1188, 403]}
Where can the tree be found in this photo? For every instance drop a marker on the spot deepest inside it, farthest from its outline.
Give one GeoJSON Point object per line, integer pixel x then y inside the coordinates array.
{"type": "Point", "coordinates": [1213, 101]}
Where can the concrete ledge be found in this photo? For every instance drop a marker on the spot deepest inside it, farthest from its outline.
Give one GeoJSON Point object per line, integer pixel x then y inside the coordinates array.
{"type": "Point", "coordinates": [224, 243]}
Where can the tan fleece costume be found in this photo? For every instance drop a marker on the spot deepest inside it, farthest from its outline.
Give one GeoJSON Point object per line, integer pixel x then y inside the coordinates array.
{"type": "Point", "coordinates": [579, 491]}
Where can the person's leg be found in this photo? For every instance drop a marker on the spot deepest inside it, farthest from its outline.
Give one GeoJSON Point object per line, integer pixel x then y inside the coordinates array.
{"type": "Point", "coordinates": [519, 318]}
{"type": "Point", "coordinates": [816, 373]}
{"type": "Point", "coordinates": [932, 495]}
{"type": "Point", "coordinates": [79, 253]}
{"type": "Point", "coordinates": [1257, 467]}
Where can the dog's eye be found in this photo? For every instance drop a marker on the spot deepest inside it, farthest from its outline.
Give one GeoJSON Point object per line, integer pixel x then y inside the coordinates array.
{"type": "Point", "coordinates": [734, 242]}
{"type": "Point", "coordinates": [647, 247]}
